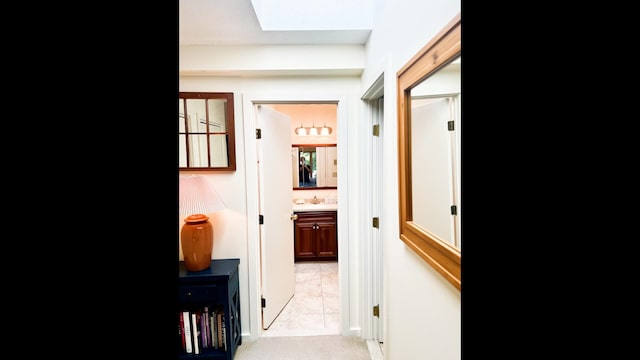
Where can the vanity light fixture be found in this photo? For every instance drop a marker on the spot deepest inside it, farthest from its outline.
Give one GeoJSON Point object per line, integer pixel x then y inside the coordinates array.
{"type": "Point", "coordinates": [313, 131]}
{"type": "Point", "coordinates": [301, 131]}
{"type": "Point", "coordinates": [325, 131]}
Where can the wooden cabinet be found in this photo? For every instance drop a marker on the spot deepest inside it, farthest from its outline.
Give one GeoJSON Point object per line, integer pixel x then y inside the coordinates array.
{"type": "Point", "coordinates": [214, 288]}
{"type": "Point", "coordinates": [316, 236]}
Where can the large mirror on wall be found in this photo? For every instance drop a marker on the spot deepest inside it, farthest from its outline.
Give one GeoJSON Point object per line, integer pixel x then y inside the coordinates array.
{"type": "Point", "coordinates": [429, 152]}
{"type": "Point", "coordinates": [314, 166]}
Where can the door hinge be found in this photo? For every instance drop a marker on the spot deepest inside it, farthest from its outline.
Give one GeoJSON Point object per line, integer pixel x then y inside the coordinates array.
{"type": "Point", "coordinates": [263, 302]}
{"type": "Point", "coordinates": [258, 133]}
{"type": "Point", "coordinates": [376, 130]}
{"type": "Point", "coordinates": [450, 125]}
{"type": "Point", "coordinates": [454, 210]}
{"type": "Point", "coordinates": [376, 310]}
{"type": "Point", "coordinates": [260, 219]}
{"type": "Point", "coordinates": [376, 222]}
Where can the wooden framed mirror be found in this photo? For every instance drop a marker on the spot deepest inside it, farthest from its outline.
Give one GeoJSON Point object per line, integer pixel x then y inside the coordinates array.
{"type": "Point", "coordinates": [206, 131]}
{"type": "Point", "coordinates": [431, 80]}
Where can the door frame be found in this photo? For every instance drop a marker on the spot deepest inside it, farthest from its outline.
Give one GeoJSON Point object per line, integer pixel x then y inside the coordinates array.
{"type": "Point", "coordinates": [373, 255]}
{"type": "Point", "coordinates": [249, 101]}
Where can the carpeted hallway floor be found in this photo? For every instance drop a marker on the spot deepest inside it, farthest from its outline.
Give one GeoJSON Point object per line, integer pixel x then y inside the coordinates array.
{"type": "Point", "coordinates": [325, 347]}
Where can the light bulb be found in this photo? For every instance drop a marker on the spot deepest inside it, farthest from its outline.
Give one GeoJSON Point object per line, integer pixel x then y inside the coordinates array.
{"type": "Point", "coordinates": [325, 130]}
{"type": "Point", "coordinates": [301, 131]}
{"type": "Point", "coordinates": [313, 131]}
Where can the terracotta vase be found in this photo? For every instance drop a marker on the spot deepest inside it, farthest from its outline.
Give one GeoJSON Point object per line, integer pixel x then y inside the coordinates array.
{"type": "Point", "coordinates": [196, 239]}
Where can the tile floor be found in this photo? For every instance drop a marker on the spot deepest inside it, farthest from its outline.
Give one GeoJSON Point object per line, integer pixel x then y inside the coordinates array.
{"type": "Point", "coordinates": [315, 306]}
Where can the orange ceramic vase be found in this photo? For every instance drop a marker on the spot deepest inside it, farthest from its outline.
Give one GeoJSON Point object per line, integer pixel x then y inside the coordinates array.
{"type": "Point", "coordinates": [196, 238]}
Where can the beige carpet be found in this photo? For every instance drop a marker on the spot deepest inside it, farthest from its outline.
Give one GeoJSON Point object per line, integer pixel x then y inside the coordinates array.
{"type": "Point", "coordinates": [326, 347]}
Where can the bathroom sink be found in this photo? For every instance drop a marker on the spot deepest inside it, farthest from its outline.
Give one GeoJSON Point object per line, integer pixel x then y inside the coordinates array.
{"type": "Point", "coordinates": [308, 206]}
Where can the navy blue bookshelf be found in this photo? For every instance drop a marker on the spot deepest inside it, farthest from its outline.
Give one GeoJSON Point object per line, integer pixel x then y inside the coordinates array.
{"type": "Point", "coordinates": [216, 286]}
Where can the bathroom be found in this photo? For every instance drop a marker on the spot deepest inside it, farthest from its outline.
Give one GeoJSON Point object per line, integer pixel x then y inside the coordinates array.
{"type": "Point", "coordinates": [308, 116]}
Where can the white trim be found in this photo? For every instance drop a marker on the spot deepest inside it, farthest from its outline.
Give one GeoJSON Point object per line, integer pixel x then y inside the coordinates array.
{"type": "Point", "coordinates": [365, 221]}
{"type": "Point", "coordinates": [372, 264]}
{"type": "Point", "coordinates": [253, 229]}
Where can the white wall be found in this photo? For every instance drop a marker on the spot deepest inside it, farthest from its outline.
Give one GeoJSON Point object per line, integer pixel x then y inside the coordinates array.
{"type": "Point", "coordinates": [422, 311]}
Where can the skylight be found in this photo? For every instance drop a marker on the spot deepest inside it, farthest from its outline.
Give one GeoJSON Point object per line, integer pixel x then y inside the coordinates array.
{"type": "Point", "coordinates": [286, 15]}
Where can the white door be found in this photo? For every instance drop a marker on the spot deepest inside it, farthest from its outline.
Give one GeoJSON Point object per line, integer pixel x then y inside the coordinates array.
{"type": "Point", "coordinates": [276, 207]}
{"type": "Point", "coordinates": [433, 199]}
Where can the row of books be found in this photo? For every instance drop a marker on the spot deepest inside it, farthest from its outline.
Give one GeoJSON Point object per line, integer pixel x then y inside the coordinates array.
{"type": "Point", "coordinates": [202, 329]}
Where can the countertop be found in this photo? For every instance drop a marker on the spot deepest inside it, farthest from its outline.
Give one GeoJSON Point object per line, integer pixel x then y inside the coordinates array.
{"type": "Point", "coordinates": [314, 207]}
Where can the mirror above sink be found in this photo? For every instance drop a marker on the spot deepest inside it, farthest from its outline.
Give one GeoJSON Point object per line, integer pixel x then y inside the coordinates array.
{"type": "Point", "coordinates": [314, 166]}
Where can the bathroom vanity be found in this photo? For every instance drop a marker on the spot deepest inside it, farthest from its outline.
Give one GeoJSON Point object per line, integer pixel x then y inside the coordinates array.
{"type": "Point", "coordinates": [315, 233]}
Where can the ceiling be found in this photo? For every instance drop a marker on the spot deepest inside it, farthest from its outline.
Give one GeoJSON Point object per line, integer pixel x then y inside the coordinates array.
{"type": "Point", "coordinates": [234, 22]}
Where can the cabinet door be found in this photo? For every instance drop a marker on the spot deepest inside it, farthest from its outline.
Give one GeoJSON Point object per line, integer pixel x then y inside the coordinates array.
{"type": "Point", "coordinates": [316, 236]}
{"type": "Point", "coordinates": [304, 244]}
{"type": "Point", "coordinates": [326, 240]}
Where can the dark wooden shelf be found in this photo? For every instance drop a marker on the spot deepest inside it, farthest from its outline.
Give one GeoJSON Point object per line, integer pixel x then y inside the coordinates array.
{"type": "Point", "coordinates": [213, 287]}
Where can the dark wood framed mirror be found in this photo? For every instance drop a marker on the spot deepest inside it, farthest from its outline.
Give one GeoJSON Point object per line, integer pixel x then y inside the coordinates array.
{"type": "Point", "coordinates": [206, 131]}
{"type": "Point", "coordinates": [439, 248]}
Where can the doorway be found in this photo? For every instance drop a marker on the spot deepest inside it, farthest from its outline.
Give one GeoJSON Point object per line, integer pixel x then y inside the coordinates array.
{"type": "Point", "coordinates": [254, 186]}
{"type": "Point", "coordinates": [303, 301]}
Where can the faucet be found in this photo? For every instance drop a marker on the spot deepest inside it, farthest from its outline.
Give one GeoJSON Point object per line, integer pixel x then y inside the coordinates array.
{"type": "Point", "coordinates": [315, 200]}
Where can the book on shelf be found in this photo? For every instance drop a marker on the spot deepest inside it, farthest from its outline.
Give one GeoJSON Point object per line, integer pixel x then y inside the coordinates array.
{"type": "Point", "coordinates": [214, 327]}
{"type": "Point", "coordinates": [181, 340]}
{"type": "Point", "coordinates": [200, 330]}
{"type": "Point", "coordinates": [206, 342]}
{"type": "Point", "coordinates": [194, 332]}
{"type": "Point", "coordinates": [219, 332]}
{"type": "Point", "coordinates": [187, 332]}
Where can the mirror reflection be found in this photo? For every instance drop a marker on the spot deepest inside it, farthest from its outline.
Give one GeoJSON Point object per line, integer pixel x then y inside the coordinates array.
{"type": "Point", "coordinates": [205, 131]}
{"type": "Point", "coordinates": [307, 167]}
{"type": "Point", "coordinates": [203, 134]}
{"type": "Point", "coordinates": [314, 166]}
{"type": "Point", "coordinates": [435, 148]}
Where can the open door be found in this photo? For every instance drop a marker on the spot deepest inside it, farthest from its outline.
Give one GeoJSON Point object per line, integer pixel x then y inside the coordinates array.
{"type": "Point", "coordinates": [276, 208]}
{"type": "Point", "coordinates": [434, 138]}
